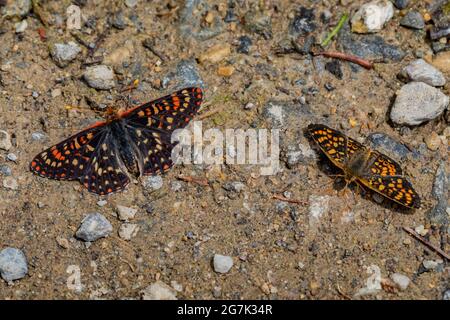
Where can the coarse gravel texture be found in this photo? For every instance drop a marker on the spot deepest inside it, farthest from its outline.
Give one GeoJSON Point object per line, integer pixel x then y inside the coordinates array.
{"type": "Point", "coordinates": [279, 249]}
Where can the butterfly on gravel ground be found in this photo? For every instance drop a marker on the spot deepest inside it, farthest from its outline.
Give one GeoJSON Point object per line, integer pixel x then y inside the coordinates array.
{"type": "Point", "coordinates": [369, 167]}
{"type": "Point", "coordinates": [134, 142]}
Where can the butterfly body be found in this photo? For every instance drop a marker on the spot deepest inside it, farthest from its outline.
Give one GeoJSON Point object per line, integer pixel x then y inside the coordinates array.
{"type": "Point", "coordinates": [135, 142]}
{"type": "Point", "coordinates": [369, 167]}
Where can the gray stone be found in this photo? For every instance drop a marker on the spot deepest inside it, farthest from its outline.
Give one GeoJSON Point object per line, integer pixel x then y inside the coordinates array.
{"type": "Point", "coordinates": [21, 26]}
{"type": "Point", "coordinates": [318, 206]}
{"type": "Point", "coordinates": [371, 47]}
{"type": "Point", "coordinates": [5, 140]}
{"type": "Point", "coordinates": [222, 264]}
{"type": "Point", "coordinates": [417, 102]}
{"type": "Point", "coordinates": [11, 157]}
{"type": "Point", "coordinates": [94, 226]}
{"type": "Point", "coordinates": [235, 186]}
{"type": "Point", "coordinates": [191, 21]}
{"type": "Point", "coordinates": [419, 70]}
{"type": "Point", "coordinates": [401, 4]}
{"type": "Point", "coordinates": [446, 295]}
{"type": "Point", "coordinates": [100, 77]}
{"type": "Point", "coordinates": [128, 231]}
{"type": "Point", "coordinates": [413, 19]}
{"type": "Point", "coordinates": [38, 136]}
{"type": "Point", "coordinates": [176, 186]}
{"type": "Point", "coordinates": [153, 183]}
{"type": "Point", "coordinates": [16, 9]}
{"type": "Point", "coordinates": [64, 53]}
{"type": "Point", "coordinates": [159, 291]}
{"type": "Point", "coordinates": [131, 3]}
{"type": "Point", "coordinates": [432, 265]}
{"type": "Point", "coordinates": [126, 213]}
{"type": "Point", "coordinates": [438, 215]}
{"type": "Point", "coordinates": [303, 22]}
{"type": "Point", "coordinates": [185, 75]}
{"type": "Point", "coordinates": [299, 154]}
{"type": "Point", "coordinates": [13, 264]}
{"type": "Point", "coordinates": [390, 145]}
{"type": "Point", "coordinates": [401, 280]}
{"type": "Point", "coordinates": [10, 183]}
{"type": "Point", "coordinates": [5, 170]}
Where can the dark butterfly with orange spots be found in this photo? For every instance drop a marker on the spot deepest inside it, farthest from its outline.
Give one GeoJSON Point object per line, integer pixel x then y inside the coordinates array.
{"type": "Point", "coordinates": [369, 167]}
{"type": "Point", "coordinates": [135, 142]}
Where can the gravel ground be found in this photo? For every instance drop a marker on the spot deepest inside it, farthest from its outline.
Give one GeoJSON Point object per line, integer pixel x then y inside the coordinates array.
{"type": "Point", "coordinates": [172, 239]}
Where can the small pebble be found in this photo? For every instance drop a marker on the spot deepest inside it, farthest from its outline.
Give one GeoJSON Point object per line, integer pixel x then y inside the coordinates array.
{"type": "Point", "coordinates": [216, 53]}
{"type": "Point", "coordinates": [5, 140]}
{"type": "Point", "coordinates": [418, 102]}
{"type": "Point", "coordinates": [432, 265]}
{"type": "Point", "coordinates": [100, 77]}
{"type": "Point", "coordinates": [126, 213]}
{"type": "Point", "coordinates": [419, 70]}
{"type": "Point", "coordinates": [433, 141]}
{"type": "Point", "coordinates": [94, 226]}
{"type": "Point", "coordinates": [176, 186]}
{"type": "Point", "coordinates": [38, 136]}
{"type": "Point", "coordinates": [401, 4]}
{"type": "Point", "coordinates": [11, 157]}
{"type": "Point", "coordinates": [64, 53]}
{"type": "Point", "coordinates": [131, 3]}
{"type": "Point", "coordinates": [128, 231]}
{"type": "Point", "coordinates": [235, 186]}
{"type": "Point", "coordinates": [10, 183]}
{"type": "Point", "coordinates": [13, 264]}
{"type": "Point", "coordinates": [244, 44]}
{"type": "Point", "coordinates": [413, 19]}
{"type": "Point", "coordinates": [226, 71]}
{"type": "Point", "coordinates": [102, 203]}
{"type": "Point", "coordinates": [400, 280]}
{"type": "Point", "coordinates": [5, 170]}
{"type": "Point", "coordinates": [371, 17]}
{"type": "Point", "coordinates": [222, 264]}
{"type": "Point", "coordinates": [159, 291]}
{"type": "Point", "coordinates": [153, 182]}
{"type": "Point", "coordinates": [421, 230]}
{"type": "Point", "coordinates": [249, 106]}
{"type": "Point", "coordinates": [21, 26]}
{"type": "Point", "coordinates": [63, 242]}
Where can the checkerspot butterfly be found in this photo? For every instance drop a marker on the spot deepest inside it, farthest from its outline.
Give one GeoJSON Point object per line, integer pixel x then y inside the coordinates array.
{"type": "Point", "coordinates": [371, 168]}
{"type": "Point", "coordinates": [137, 142]}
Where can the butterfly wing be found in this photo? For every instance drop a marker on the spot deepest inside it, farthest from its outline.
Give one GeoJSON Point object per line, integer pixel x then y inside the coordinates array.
{"type": "Point", "coordinates": [68, 159]}
{"type": "Point", "coordinates": [152, 124]}
{"type": "Point", "coordinates": [383, 165]}
{"type": "Point", "coordinates": [83, 157]}
{"type": "Point", "coordinates": [105, 171]}
{"type": "Point", "coordinates": [332, 143]}
{"type": "Point", "coordinates": [395, 188]}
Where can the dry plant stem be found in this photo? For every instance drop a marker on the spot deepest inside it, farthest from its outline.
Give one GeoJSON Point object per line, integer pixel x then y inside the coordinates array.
{"type": "Point", "coordinates": [281, 198]}
{"type": "Point", "coordinates": [347, 57]}
{"type": "Point", "coordinates": [427, 243]}
{"type": "Point", "coordinates": [200, 181]}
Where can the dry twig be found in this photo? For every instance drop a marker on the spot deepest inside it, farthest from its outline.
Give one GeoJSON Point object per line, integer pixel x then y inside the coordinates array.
{"type": "Point", "coordinates": [281, 198]}
{"type": "Point", "coordinates": [427, 243]}
{"type": "Point", "coordinates": [347, 57]}
{"type": "Point", "coordinates": [200, 181]}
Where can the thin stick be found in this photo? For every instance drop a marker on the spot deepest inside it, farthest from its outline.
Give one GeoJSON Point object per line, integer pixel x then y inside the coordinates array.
{"type": "Point", "coordinates": [149, 45]}
{"type": "Point", "coordinates": [335, 31]}
{"type": "Point", "coordinates": [281, 198]}
{"type": "Point", "coordinates": [200, 181]}
{"type": "Point", "coordinates": [207, 114]}
{"type": "Point", "coordinates": [342, 293]}
{"type": "Point", "coordinates": [347, 57]}
{"type": "Point", "coordinates": [427, 243]}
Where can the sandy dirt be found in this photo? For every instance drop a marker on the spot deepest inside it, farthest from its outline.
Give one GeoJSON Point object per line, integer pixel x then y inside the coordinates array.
{"type": "Point", "coordinates": [278, 250]}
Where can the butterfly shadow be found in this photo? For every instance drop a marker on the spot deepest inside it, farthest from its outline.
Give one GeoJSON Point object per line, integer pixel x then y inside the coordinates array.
{"type": "Point", "coordinates": [358, 190]}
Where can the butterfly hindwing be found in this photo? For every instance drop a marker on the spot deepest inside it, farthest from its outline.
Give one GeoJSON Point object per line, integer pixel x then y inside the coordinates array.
{"type": "Point", "coordinates": [384, 166]}
{"type": "Point", "coordinates": [104, 173]}
{"type": "Point", "coordinates": [396, 188]}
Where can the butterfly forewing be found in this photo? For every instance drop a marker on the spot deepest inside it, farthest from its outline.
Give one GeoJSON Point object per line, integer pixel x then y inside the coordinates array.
{"type": "Point", "coordinates": [331, 142]}
{"type": "Point", "coordinates": [68, 159]}
{"type": "Point", "coordinates": [396, 188]}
